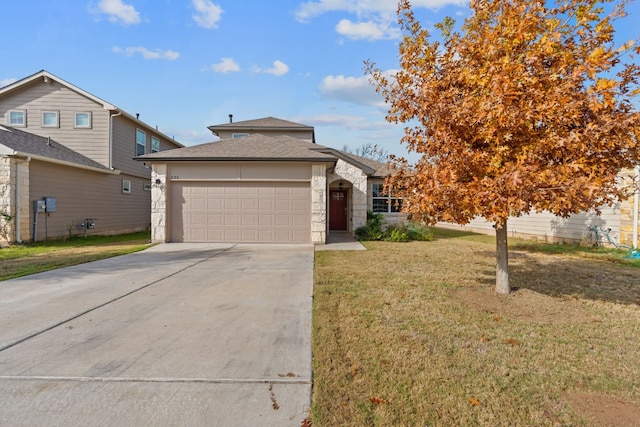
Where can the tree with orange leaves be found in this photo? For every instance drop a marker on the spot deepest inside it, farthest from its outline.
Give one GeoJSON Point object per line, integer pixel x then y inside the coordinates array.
{"type": "Point", "coordinates": [528, 108]}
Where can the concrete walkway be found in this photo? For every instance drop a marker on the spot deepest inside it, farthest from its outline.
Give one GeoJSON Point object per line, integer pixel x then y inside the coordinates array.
{"type": "Point", "coordinates": [341, 241]}
{"type": "Point", "coordinates": [180, 334]}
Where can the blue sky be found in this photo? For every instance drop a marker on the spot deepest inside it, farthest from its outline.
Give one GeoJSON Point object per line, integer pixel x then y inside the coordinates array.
{"type": "Point", "coordinates": [186, 64]}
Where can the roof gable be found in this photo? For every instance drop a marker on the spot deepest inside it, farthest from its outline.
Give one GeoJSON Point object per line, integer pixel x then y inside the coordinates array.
{"type": "Point", "coordinates": [270, 123]}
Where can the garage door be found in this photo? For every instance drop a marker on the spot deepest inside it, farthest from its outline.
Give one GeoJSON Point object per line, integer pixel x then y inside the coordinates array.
{"type": "Point", "coordinates": [243, 212]}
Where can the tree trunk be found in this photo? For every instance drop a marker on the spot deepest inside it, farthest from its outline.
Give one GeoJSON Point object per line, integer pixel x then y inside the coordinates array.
{"type": "Point", "coordinates": [502, 260]}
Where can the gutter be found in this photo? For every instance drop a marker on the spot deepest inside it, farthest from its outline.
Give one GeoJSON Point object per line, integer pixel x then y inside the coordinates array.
{"type": "Point", "coordinates": [26, 156]}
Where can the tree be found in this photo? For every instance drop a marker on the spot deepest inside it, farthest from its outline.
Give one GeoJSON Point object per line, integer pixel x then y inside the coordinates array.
{"type": "Point", "coordinates": [370, 151]}
{"type": "Point", "coordinates": [529, 107]}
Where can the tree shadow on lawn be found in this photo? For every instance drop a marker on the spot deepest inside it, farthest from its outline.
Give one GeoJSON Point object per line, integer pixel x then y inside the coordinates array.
{"type": "Point", "coordinates": [571, 277]}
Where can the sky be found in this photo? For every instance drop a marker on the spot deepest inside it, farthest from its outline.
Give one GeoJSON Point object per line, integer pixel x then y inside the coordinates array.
{"type": "Point", "coordinates": [184, 65]}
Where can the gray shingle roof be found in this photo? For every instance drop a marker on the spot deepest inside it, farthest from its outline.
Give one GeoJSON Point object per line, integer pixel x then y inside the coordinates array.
{"type": "Point", "coordinates": [264, 123]}
{"type": "Point", "coordinates": [27, 143]}
{"type": "Point", "coordinates": [252, 147]}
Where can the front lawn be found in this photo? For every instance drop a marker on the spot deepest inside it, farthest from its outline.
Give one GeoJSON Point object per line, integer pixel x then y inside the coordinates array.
{"type": "Point", "coordinates": [412, 334]}
{"type": "Point", "coordinates": [30, 258]}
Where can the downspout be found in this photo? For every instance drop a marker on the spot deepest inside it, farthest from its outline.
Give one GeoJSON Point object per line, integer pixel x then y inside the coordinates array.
{"type": "Point", "coordinates": [111, 116]}
{"type": "Point", "coordinates": [17, 205]}
{"type": "Point", "coordinates": [636, 205]}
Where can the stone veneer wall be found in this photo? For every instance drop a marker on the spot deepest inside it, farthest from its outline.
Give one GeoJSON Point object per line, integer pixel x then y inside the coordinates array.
{"type": "Point", "coordinates": [358, 179]}
{"type": "Point", "coordinates": [7, 183]}
{"type": "Point", "coordinates": [318, 203]}
{"type": "Point", "coordinates": [159, 203]}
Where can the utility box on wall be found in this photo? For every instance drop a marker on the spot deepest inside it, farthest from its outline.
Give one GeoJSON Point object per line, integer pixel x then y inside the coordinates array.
{"type": "Point", "coordinates": [50, 204]}
{"type": "Point", "coordinates": [38, 206]}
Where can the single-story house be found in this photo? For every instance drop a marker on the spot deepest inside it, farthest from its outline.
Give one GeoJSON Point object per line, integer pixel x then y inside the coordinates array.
{"type": "Point", "coordinates": [66, 162]}
{"type": "Point", "coordinates": [264, 181]}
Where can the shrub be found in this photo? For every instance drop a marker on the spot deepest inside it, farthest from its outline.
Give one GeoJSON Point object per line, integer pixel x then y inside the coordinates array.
{"type": "Point", "coordinates": [373, 229]}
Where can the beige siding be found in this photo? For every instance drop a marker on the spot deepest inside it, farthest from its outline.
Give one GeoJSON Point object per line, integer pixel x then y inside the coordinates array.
{"type": "Point", "coordinates": [548, 227]}
{"type": "Point", "coordinates": [240, 171]}
{"type": "Point", "coordinates": [304, 135]}
{"type": "Point", "coordinates": [84, 194]}
{"type": "Point", "coordinates": [124, 146]}
{"type": "Point", "coordinates": [52, 96]}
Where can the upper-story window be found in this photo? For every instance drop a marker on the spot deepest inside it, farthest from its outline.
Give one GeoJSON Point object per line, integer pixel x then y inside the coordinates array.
{"type": "Point", "coordinates": [141, 142]}
{"type": "Point", "coordinates": [155, 144]}
{"type": "Point", "coordinates": [17, 118]}
{"type": "Point", "coordinates": [82, 120]}
{"type": "Point", "coordinates": [239, 135]}
{"type": "Point", "coordinates": [383, 202]}
{"type": "Point", "coordinates": [50, 119]}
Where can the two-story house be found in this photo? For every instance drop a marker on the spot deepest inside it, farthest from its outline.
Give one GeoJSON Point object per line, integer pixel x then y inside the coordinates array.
{"type": "Point", "coordinates": [66, 162]}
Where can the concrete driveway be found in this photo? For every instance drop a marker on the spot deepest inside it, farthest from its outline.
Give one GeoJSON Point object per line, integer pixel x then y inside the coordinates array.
{"type": "Point", "coordinates": [179, 334]}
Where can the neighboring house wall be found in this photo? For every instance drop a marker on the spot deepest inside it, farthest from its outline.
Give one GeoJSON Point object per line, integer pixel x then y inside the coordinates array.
{"type": "Point", "coordinates": [124, 146]}
{"type": "Point", "coordinates": [39, 96]}
{"type": "Point", "coordinates": [82, 194]}
{"type": "Point", "coordinates": [547, 227]}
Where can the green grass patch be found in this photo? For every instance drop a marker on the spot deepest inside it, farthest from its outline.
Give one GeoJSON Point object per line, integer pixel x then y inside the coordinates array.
{"type": "Point", "coordinates": [31, 258]}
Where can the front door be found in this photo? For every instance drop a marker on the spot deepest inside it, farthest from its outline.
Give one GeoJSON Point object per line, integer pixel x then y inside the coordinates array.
{"type": "Point", "coordinates": [338, 210]}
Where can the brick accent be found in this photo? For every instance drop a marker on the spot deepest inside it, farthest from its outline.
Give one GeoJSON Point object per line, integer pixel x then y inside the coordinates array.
{"type": "Point", "coordinates": [626, 210]}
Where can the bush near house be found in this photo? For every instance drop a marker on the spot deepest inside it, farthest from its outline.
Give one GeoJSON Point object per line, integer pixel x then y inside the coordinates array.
{"type": "Point", "coordinates": [377, 229]}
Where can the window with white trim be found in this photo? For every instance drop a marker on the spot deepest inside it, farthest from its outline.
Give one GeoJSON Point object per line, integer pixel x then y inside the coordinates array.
{"type": "Point", "coordinates": [155, 144]}
{"type": "Point", "coordinates": [17, 118]}
{"type": "Point", "coordinates": [50, 119]}
{"type": "Point", "coordinates": [141, 142]}
{"type": "Point", "coordinates": [384, 202]}
{"type": "Point", "coordinates": [126, 186]}
{"type": "Point", "coordinates": [82, 120]}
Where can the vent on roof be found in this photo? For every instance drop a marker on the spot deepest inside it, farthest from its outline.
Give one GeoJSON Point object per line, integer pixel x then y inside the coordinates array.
{"type": "Point", "coordinates": [230, 118]}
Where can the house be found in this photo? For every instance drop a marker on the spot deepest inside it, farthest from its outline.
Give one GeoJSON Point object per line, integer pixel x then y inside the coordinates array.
{"type": "Point", "coordinates": [66, 162]}
{"type": "Point", "coordinates": [266, 181]}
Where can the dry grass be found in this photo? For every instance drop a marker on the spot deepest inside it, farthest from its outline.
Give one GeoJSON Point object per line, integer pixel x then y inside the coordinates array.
{"type": "Point", "coordinates": [409, 334]}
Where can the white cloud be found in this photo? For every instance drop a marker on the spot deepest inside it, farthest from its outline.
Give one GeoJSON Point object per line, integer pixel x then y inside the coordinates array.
{"type": "Point", "coordinates": [146, 53]}
{"type": "Point", "coordinates": [376, 18]}
{"type": "Point", "coordinates": [7, 82]}
{"type": "Point", "coordinates": [357, 90]}
{"type": "Point", "coordinates": [367, 30]}
{"type": "Point", "coordinates": [311, 9]}
{"type": "Point", "coordinates": [119, 12]}
{"type": "Point", "coordinates": [208, 14]}
{"type": "Point", "coordinates": [279, 68]}
{"type": "Point", "coordinates": [226, 65]}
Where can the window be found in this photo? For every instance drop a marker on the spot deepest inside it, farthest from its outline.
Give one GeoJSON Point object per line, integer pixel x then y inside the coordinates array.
{"type": "Point", "coordinates": [383, 202]}
{"type": "Point", "coordinates": [126, 186]}
{"type": "Point", "coordinates": [141, 142]}
{"type": "Point", "coordinates": [50, 119]}
{"type": "Point", "coordinates": [239, 135]}
{"type": "Point", "coordinates": [155, 144]}
{"type": "Point", "coordinates": [82, 120]}
{"type": "Point", "coordinates": [17, 118]}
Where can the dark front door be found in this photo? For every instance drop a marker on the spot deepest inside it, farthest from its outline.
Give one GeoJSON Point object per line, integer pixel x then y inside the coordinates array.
{"type": "Point", "coordinates": [338, 210]}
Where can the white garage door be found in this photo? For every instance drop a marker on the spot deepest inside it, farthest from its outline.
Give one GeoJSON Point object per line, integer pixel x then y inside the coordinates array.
{"type": "Point", "coordinates": [243, 212]}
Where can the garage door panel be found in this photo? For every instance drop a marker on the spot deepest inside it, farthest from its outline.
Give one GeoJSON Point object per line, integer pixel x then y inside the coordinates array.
{"type": "Point", "coordinates": [245, 212]}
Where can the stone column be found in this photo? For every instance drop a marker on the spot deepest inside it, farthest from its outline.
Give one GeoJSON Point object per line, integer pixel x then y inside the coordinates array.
{"type": "Point", "coordinates": [159, 232]}
{"type": "Point", "coordinates": [318, 204]}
